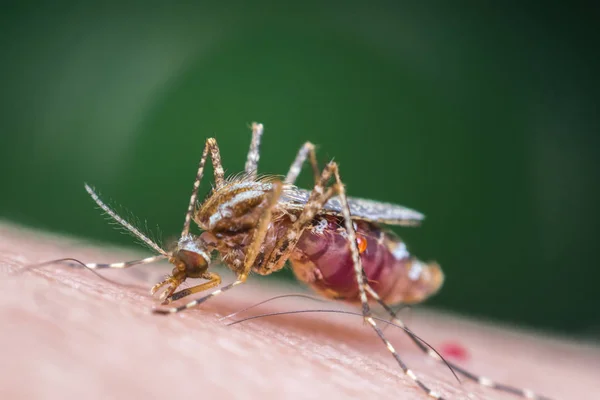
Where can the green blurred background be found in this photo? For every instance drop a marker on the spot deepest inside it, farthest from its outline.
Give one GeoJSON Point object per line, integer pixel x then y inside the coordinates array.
{"type": "Point", "coordinates": [483, 117]}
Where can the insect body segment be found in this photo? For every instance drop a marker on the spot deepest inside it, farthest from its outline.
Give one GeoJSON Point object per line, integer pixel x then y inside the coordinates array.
{"type": "Point", "coordinates": [322, 260]}
{"type": "Point", "coordinates": [334, 243]}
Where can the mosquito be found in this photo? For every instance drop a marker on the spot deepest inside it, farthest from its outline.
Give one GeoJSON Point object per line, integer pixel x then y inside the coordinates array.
{"type": "Point", "coordinates": [335, 244]}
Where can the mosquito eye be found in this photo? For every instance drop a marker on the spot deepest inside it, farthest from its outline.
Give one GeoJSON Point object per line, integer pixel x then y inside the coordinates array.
{"type": "Point", "coordinates": [192, 259]}
{"type": "Point", "coordinates": [193, 263]}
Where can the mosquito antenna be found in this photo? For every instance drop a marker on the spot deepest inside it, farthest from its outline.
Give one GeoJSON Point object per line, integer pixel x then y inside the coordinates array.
{"type": "Point", "coordinates": [123, 222]}
{"type": "Point", "coordinates": [306, 296]}
{"type": "Point", "coordinates": [405, 329]}
{"type": "Point", "coordinates": [254, 152]}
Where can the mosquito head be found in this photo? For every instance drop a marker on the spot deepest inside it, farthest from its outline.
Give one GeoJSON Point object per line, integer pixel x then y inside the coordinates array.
{"type": "Point", "coordinates": [190, 257]}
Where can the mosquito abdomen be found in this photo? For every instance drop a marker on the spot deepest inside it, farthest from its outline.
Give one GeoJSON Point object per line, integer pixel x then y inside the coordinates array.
{"type": "Point", "coordinates": [322, 260]}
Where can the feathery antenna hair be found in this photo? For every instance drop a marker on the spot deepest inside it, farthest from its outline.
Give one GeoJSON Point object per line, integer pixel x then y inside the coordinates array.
{"type": "Point", "coordinates": [123, 222]}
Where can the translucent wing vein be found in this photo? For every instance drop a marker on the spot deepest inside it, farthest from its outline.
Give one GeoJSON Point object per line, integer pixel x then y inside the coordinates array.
{"type": "Point", "coordinates": [391, 214]}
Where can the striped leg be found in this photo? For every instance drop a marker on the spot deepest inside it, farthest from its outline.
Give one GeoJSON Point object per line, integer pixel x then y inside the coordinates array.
{"type": "Point", "coordinates": [212, 147]}
{"type": "Point", "coordinates": [119, 265]}
{"type": "Point", "coordinates": [251, 254]}
{"type": "Point", "coordinates": [359, 273]}
{"type": "Point", "coordinates": [254, 152]}
{"type": "Point", "coordinates": [197, 302]}
{"type": "Point", "coordinates": [525, 393]}
{"type": "Point", "coordinates": [285, 245]}
{"type": "Point", "coordinates": [75, 263]}
{"type": "Point", "coordinates": [213, 280]}
{"type": "Point", "coordinates": [172, 283]}
{"type": "Point", "coordinates": [307, 150]}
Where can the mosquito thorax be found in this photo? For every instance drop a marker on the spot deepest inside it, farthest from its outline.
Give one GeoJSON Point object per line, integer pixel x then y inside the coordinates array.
{"type": "Point", "coordinates": [233, 208]}
{"type": "Point", "coordinates": [190, 258]}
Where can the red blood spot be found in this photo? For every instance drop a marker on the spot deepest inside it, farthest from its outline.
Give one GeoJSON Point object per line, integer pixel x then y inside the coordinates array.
{"type": "Point", "coordinates": [453, 350]}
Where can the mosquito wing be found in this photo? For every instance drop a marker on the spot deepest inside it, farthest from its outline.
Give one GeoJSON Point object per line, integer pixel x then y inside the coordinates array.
{"type": "Point", "coordinates": [369, 210]}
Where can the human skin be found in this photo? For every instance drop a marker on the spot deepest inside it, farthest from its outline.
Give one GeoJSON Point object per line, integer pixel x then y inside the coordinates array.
{"type": "Point", "coordinates": [66, 334]}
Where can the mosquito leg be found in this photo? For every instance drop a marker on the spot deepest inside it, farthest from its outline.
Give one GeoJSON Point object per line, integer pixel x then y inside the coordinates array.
{"type": "Point", "coordinates": [167, 281]}
{"type": "Point", "coordinates": [261, 231]}
{"type": "Point", "coordinates": [525, 393]}
{"type": "Point", "coordinates": [251, 254]}
{"type": "Point", "coordinates": [171, 284]}
{"type": "Point", "coordinates": [119, 265]}
{"type": "Point", "coordinates": [213, 280]}
{"type": "Point", "coordinates": [209, 147]}
{"type": "Point", "coordinates": [307, 150]}
{"type": "Point", "coordinates": [285, 245]}
{"type": "Point", "coordinates": [254, 152]}
{"type": "Point", "coordinates": [359, 273]}
{"type": "Point", "coordinates": [75, 263]}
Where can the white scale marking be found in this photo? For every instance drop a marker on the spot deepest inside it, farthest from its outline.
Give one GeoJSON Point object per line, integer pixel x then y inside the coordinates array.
{"type": "Point", "coordinates": [189, 244]}
{"type": "Point", "coordinates": [416, 269]}
{"type": "Point", "coordinates": [320, 227]}
{"type": "Point", "coordinates": [434, 355]}
{"type": "Point", "coordinates": [118, 265]}
{"type": "Point", "coordinates": [485, 381]}
{"type": "Point", "coordinates": [390, 347]}
{"type": "Point", "coordinates": [249, 184]}
{"type": "Point", "coordinates": [224, 209]}
{"type": "Point", "coordinates": [400, 252]}
{"type": "Point", "coordinates": [411, 375]}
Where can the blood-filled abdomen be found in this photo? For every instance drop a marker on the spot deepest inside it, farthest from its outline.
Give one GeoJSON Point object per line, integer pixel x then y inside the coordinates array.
{"type": "Point", "coordinates": [322, 259]}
